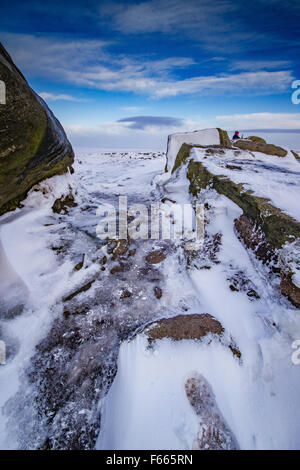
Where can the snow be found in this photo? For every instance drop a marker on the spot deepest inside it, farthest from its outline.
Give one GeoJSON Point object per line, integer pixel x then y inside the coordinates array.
{"type": "Point", "coordinates": [147, 407]}
{"type": "Point", "coordinates": [37, 279]}
{"type": "Point", "coordinates": [26, 260]}
{"type": "Point", "coordinates": [150, 383]}
{"type": "Point", "coordinates": [203, 137]}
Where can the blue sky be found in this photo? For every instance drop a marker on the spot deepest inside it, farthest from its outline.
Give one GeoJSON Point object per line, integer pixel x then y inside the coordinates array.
{"type": "Point", "coordinates": [128, 73]}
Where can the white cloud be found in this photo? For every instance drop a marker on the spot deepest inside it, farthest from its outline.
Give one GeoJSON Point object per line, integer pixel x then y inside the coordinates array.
{"type": "Point", "coordinates": [167, 15]}
{"type": "Point", "coordinates": [104, 128]}
{"type": "Point", "coordinates": [214, 24]}
{"type": "Point", "coordinates": [257, 82]}
{"type": "Point", "coordinates": [60, 97]}
{"type": "Point", "coordinates": [260, 121]}
{"type": "Point", "coordinates": [131, 109]}
{"type": "Point", "coordinates": [86, 63]}
{"type": "Point", "coordinates": [251, 65]}
{"type": "Point", "coordinates": [50, 56]}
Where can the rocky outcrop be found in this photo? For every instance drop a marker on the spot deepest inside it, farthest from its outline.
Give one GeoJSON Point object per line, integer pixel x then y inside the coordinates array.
{"type": "Point", "coordinates": [33, 144]}
{"type": "Point", "coordinates": [263, 228]}
{"type": "Point", "coordinates": [189, 327]}
{"type": "Point", "coordinates": [277, 226]}
{"type": "Point", "coordinates": [212, 137]}
{"type": "Point", "coordinates": [256, 144]}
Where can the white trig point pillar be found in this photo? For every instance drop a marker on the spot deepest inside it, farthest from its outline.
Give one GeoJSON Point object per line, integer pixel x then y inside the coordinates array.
{"type": "Point", "coordinates": [2, 352]}
{"type": "Point", "coordinates": [2, 92]}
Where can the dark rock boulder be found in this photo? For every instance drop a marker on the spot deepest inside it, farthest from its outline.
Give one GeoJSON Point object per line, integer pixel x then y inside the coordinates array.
{"type": "Point", "coordinates": [33, 144]}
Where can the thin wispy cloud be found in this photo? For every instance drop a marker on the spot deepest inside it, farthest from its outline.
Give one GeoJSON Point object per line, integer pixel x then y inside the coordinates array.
{"type": "Point", "coordinates": [256, 82]}
{"type": "Point", "coordinates": [167, 15]}
{"type": "Point", "coordinates": [215, 25]}
{"type": "Point", "coordinates": [253, 65]}
{"type": "Point", "coordinates": [143, 122]}
{"type": "Point", "coordinates": [59, 97]}
{"type": "Point", "coordinates": [131, 109]}
{"type": "Point", "coordinates": [50, 56]}
{"type": "Point", "coordinates": [89, 64]}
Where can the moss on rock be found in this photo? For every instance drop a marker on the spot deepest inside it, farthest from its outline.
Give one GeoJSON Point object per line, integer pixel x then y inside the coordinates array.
{"type": "Point", "coordinates": [254, 138]}
{"type": "Point", "coordinates": [182, 156]}
{"type": "Point", "coordinates": [258, 146]}
{"type": "Point", "coordinates": [224, 139]}
{"type": "Point", "coordinates": [33, 145]}
{"type": "Point", "coordinates": [278, 227]}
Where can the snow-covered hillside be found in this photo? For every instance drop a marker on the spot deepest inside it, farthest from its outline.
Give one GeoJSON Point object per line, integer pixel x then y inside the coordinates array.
{"type": "Point", "coordinates": [142, 344]}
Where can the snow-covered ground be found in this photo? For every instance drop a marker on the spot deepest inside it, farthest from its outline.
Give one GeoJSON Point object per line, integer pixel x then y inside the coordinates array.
{"type": "Point", "coordinates": [74, 380]}
{"type": "Point", "coordinates": [258, 396]}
